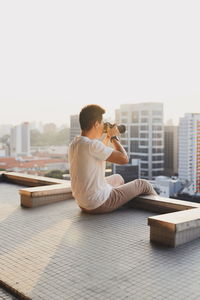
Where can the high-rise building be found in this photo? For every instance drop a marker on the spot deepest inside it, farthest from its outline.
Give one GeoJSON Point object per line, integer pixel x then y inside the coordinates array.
{"type": "Point", "coordinates": [189, 152]}
{"type": "Point", "coordinates": [20, 140]}
{"type": "Point", "coordinates": [144, 138]}
{"type": "Point", "coordinates": [74, 127]}
{"type": "Point", "coordinates": [171, 150]}
{"type": "Point", "coordinates": [128, 172]}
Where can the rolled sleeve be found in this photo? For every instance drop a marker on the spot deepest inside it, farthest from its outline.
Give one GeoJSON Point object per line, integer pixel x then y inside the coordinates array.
{"type": "Point", "coordinates": [99, 150]}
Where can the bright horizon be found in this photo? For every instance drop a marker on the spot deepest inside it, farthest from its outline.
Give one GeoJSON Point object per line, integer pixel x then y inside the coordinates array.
{"type": "Point", "coordinates": [57, 56]}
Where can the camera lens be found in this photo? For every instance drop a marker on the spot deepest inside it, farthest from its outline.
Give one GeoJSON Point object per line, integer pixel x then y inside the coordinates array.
{"type": "Point", "coordinates": [121, 128]}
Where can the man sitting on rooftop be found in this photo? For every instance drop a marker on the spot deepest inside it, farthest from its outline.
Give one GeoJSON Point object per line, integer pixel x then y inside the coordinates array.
{"type": "Point", "coordinates": [95, 193]}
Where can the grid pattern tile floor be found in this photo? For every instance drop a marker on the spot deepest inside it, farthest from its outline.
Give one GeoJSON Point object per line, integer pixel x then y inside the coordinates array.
{"type": "Point", "coordinates": [5, 295]}
{"type": "Point", "coordinates": [57, 252]}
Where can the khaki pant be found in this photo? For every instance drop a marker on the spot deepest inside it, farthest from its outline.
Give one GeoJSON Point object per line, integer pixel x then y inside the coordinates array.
{"type": "Point", "coordinates": [122, 193]}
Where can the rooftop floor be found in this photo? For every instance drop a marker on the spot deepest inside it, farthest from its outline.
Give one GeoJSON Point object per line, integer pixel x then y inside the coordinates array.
{"type": "Point", "coordinates": [58, 252]}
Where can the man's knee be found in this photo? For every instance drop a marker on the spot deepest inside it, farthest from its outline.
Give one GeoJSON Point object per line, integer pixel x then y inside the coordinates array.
{"type": "Point", "coordinates": [143, 182]}
{"type": "Point", "coordinates": [140, 181]}
{"type": "Point", "coordinates": [146, 186]}
{"type": "Point", "coordinates": [120, 179]}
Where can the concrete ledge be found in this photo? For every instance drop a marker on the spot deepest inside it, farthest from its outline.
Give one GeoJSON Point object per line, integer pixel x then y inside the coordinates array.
{"type": "Point", "coordinates": [179, 221]}
{"type": "Point", "coordinates": [27, 201]}
{"type": "Point", "coordinates": [13, 291]}
{"type": "Point", "coordinates": [179, 224]}
{"type": "Point", "coordinates": [37, 196]}
{"type": "Point", "coordinates": [1, 175]}
{"type": "Point", "coordinates": [30, 180]}
{"type": "Point", "coordinates": [165, 237]}
{"type": "Point", "coordinates": [53, 189]}
{"type": "Point", "coordinates": [161, 204]}
{"type": "Point", "coordinates": [172, 229]}
{"type": "Point", "coordinates": [43, 190]}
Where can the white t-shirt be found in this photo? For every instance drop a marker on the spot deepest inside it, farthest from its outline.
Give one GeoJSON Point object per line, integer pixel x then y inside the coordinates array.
{"type": "Point", "coordinates": [87, 171]}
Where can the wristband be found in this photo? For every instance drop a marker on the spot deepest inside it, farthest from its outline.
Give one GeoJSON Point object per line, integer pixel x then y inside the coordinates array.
{"type": "Point", "coordinates": [114, 138]}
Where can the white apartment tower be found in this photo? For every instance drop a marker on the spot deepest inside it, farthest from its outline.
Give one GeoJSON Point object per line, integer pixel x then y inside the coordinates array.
{"type": "Point", "coordinates": [74, 127]}
{"type": "Point", "coordinates": [144, 138]}
{"type": "Point", "coordinates": [189, 152]}
{"type": "Point", "coordinates": [20, 140]}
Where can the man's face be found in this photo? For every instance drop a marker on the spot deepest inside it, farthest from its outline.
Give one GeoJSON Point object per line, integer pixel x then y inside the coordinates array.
{"type": "Point", "coordinates": [99, 128]}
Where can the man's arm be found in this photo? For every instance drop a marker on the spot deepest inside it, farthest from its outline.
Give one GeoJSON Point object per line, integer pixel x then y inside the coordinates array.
{"type": "Point", "coordinates": [119, 154]}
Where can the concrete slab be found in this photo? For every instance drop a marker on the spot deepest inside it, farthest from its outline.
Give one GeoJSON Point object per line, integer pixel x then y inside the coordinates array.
{"type": "Point", "coordinates": [57, 252]}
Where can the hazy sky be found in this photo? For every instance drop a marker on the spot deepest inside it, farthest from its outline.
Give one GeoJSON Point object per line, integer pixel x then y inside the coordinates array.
{"type": "Point", "coordinates": [57, 56]}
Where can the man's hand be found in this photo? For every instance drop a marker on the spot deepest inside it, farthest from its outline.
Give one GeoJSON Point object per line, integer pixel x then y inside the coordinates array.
{"type": "Point", "coordinates": [112, 131]}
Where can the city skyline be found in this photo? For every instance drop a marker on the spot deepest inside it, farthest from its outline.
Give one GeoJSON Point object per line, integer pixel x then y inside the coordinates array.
{"type": "Point", "coordinates": [107, 52]}
{"type": "Point", "coordinates": [109, 115]}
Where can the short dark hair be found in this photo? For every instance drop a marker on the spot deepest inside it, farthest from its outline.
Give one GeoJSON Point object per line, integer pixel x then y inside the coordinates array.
{"type": "Point", "coordinates": [89, 115]}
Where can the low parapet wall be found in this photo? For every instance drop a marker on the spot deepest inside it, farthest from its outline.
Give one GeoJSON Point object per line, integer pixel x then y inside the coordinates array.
{"type": "Point", "coordinates": [30, 180]}
{"type": "Point", "coordinates": [1, 176]}
{"type": "Point", "coordinates": [41, 191]}
{"type": "Point", "coordinates": [177, 223]}
{"type": "Point", "coordinates": [37, 196]}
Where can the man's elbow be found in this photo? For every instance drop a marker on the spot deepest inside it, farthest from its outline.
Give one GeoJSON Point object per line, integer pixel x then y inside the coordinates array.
{"type": "Point", "coordinates": [124, 161]}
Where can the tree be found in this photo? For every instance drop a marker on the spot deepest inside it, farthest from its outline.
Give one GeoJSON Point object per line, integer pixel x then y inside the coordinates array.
{"type": "Point", "coordinates": [50, 138]}
{"type": "Point", "coordinates": [5, 139]}
{"type": "Point", "coordinates": [55, 174]}
{"type": "Point", "coordinates": [36, 137]}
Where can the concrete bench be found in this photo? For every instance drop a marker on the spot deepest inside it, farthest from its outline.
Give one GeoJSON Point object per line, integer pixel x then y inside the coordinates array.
{"type": "Point", "coordinates": [179, 226]}
{"type": "Point", "coordinates": [162, 204]}
{"type": "Point", "coordinates": [179, 222]}
{"type": "Point", "coordinates": [37, 196]}
{"type": "Point", "coordinates": [30, 180]}
{"type": "Point", "coordinates": [1, 175]}
{"type": "Point", "coordinates": [43, 190]}
{"type": "Point", "coordinates": [175, 229]}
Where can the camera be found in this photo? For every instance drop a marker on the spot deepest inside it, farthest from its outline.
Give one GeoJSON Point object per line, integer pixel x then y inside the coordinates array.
{"type": "Point", "coordinates": [121, 128]}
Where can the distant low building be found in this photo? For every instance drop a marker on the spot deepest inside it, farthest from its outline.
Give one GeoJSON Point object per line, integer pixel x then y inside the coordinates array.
{"type": "Point", "coordinates": [33, 165]}
{"type": "Point", "coordinates": [128, 172]}
{"type": "Point", "coordinates": [52, 150]}
{"type": "Point", "coordinates": [4, 150]}
{"type": "Point", "coordinates": [166, 186]}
